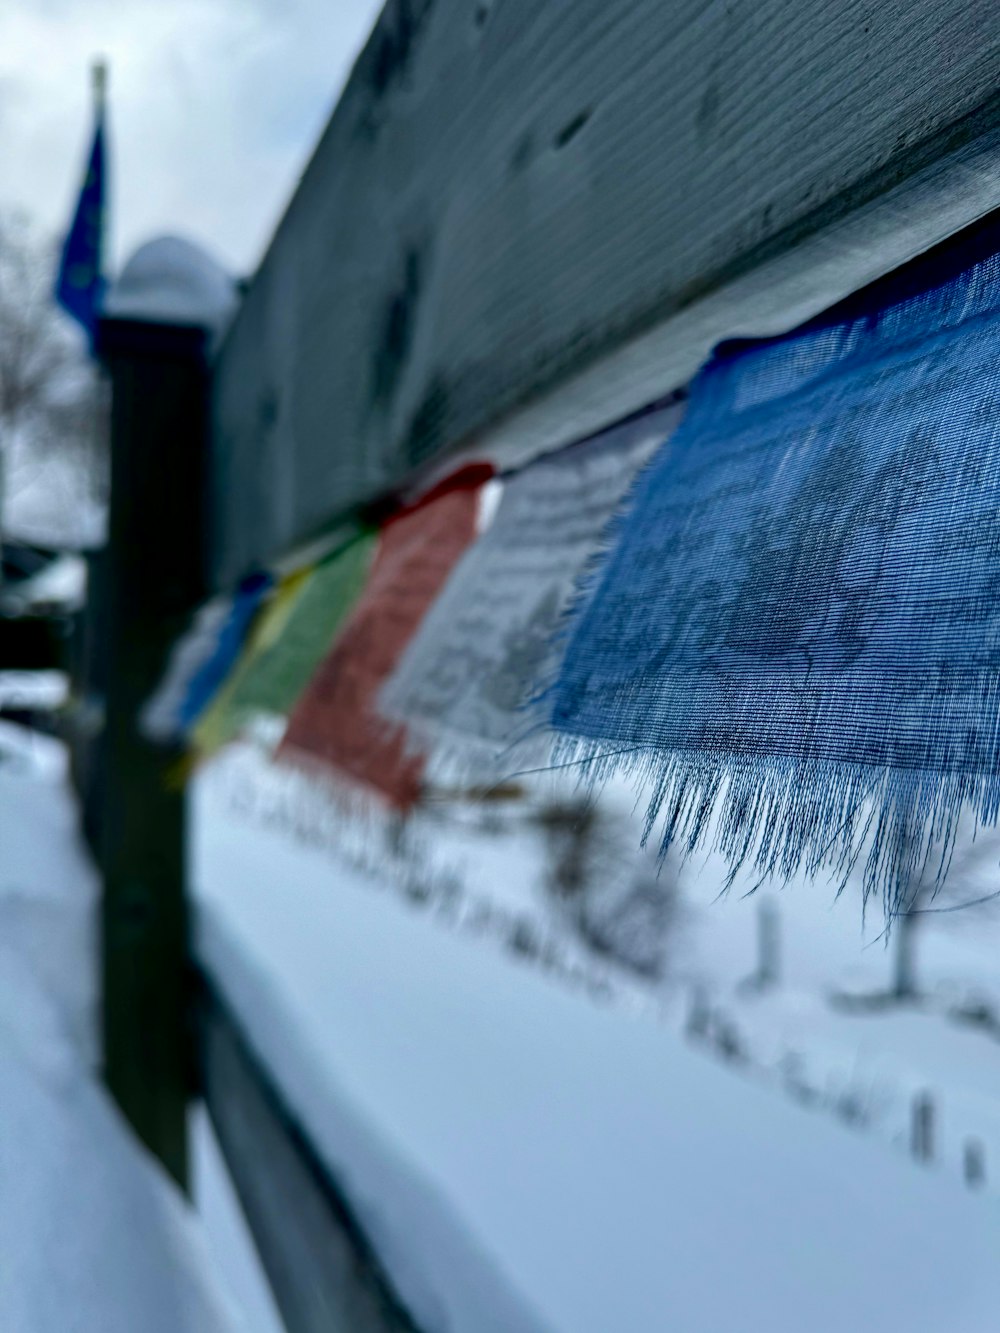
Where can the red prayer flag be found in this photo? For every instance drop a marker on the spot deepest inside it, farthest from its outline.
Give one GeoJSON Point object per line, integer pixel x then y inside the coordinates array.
{"type": "Point", "coordinates": [336, 722]}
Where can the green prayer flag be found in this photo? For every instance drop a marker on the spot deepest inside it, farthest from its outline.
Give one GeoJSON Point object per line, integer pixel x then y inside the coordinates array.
{"type": "Point", "coordinates": [290, 639]}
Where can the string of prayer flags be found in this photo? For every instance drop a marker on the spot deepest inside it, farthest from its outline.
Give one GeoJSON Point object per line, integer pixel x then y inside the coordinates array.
{"type": "Point", "coordinates": [201, 660]}
{"type": "Point", "coordinates": [288, 641]}
{"type": "Point", "coordinates": [796, 632]}
{"type": "Point", "coordinates": [336, 723]}
{"type": "Point", "coordinates": [487, 641]}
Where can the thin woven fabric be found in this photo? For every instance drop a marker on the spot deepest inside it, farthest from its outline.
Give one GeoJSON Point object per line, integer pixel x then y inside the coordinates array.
{"type": "Point", "coordinates": [795, 633]}
{"type": "Point", "coordinates": [336, 723]}
{"type": "Point", "coordinates": [201, 660]}
{"type": "Point", "coordinates": [222, 720]}
{"type": "Point", "coordinates": [488, 638]}
{"type": "Point", "coordinates": [288, 642]}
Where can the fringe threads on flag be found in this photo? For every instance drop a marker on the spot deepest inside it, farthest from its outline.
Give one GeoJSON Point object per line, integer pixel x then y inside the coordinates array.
{"type": "Point", "coordinates": [793, 635]}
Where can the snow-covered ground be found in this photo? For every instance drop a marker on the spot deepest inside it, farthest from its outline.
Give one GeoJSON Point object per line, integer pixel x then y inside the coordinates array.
{"type": "Point", "coordinates": [523, 1125]}
{"type": "Point", "coordinates": [93, 1237]}
{"type": "Point", "coordinates": [825, 1032]}
{"type": "Point", "coordinates": [829, 1033]}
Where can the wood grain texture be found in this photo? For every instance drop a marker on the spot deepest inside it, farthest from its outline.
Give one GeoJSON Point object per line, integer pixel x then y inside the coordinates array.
{"type": "Point", "coordinates": [530, 216]}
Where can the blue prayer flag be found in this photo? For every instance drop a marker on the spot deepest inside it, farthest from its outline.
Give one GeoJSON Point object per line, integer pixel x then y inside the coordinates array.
{"type": "Point", "coordinates": [225, 650]}
{"type": "Point", "coordinates": [796, 628]}
{"type": "Point", "coordinates": [80, 281]}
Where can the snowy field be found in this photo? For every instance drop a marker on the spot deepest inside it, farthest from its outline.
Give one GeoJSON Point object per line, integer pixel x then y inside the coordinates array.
{"type": "Point", "coordinates": [511, 1111]}
{"type": "Point", "coordinates": [523, 1119]}
{"type": "Point", "coordinates": [825, 1030]}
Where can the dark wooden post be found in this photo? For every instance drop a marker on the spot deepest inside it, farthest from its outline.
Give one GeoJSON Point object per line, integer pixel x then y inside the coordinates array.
{"type": "Point", "coordinates": [154, 342]}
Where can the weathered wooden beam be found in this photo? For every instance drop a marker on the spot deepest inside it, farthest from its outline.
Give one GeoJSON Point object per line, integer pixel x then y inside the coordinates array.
{"type": "Point", "coordinates": [324, 1273]}
{"type": "Point", "coordinates": [531, 217]}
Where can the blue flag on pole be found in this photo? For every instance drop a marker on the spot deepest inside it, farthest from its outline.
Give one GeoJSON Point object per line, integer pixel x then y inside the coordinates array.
{"type": "Point", "coordinates": [80, 282]}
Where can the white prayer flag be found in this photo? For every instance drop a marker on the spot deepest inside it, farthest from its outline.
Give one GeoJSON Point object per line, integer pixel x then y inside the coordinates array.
{"type": "Point", "coordinates": [488, 641]}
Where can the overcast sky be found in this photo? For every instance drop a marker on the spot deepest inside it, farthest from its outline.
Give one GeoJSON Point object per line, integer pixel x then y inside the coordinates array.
{"type": "Point", "coordinates": [215, 106]}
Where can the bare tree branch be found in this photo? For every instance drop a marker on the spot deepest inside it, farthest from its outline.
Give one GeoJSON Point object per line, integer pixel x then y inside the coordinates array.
{"type": "Point", "coordinates": [52, 405]}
